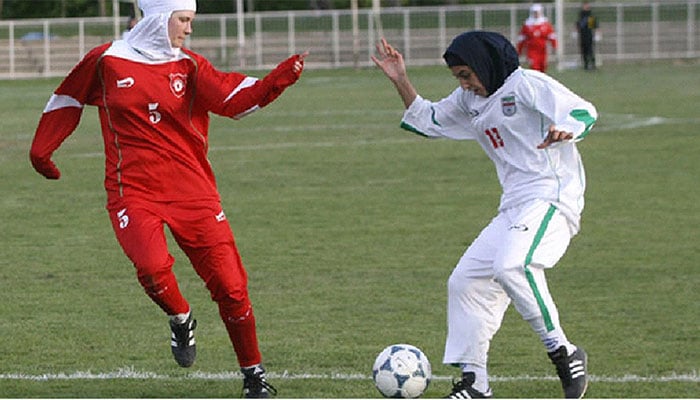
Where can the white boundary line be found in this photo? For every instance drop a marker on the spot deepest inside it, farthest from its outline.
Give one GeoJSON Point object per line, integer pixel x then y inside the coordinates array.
{"type": "Point", "coordinates": [131, 373]}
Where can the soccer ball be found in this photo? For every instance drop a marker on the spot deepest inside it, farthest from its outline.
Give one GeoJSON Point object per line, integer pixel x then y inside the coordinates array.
{"type": "Point", "coordinates": [401, 371]}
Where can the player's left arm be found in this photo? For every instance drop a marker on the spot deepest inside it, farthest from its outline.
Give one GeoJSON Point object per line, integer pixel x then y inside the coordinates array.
{"type": "Point", "coordinates": [236, 95]}
{"type": "Point", "coordinates": [572, 117]}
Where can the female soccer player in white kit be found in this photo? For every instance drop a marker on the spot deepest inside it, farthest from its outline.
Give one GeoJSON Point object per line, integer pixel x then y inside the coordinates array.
{"type": "Point", "coordinates": [527, 123]}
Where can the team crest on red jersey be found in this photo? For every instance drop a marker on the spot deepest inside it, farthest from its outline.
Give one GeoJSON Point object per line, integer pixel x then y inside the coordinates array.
{"type": "Point", "coordinates": [178, 84]}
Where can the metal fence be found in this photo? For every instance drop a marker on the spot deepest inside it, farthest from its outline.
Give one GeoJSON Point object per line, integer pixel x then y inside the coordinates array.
{"type": "Point", "coordinates": [631, 31]}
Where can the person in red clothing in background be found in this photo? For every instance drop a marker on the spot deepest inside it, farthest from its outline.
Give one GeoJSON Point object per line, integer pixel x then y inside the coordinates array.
{"type": "Point", "coordinates": [534, 35]}
{"type": "Point", "coordinates": [154, 98]}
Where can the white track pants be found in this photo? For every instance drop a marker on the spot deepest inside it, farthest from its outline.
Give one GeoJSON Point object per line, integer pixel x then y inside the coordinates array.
{"type": "Point", "coordinates": [505, 263]}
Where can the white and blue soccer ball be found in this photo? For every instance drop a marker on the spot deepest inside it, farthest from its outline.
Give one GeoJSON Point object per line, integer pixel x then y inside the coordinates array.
{"type": "Point", "coordinates": [401, 371]}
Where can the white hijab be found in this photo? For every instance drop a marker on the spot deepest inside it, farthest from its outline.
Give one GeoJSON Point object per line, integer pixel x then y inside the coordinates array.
{"type": "Point", "coordinates": [150, 35]}
{"type": "Point", "coordinates": [536, 16]}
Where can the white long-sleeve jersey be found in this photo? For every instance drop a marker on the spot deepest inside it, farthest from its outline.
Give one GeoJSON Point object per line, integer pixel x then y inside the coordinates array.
{"type": "Point", "coordinates": [509, 124]}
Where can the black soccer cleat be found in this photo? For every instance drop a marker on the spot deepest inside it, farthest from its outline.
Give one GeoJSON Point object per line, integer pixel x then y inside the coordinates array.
{"type": "Point", "coordinates": [182, 342]}
{"type": "Point", "coordinates": [255, 386]}
{"type": "Point", "coordinates": [463, 389]}
{"type": "Point", "coordinates": [572, 371]}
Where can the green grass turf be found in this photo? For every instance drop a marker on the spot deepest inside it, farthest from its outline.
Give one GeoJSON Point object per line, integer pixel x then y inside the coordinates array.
{"type": "Point", "coordinates": [349, 228]}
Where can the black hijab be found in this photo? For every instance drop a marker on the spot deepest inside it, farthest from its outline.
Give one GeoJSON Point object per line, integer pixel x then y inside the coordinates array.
{"type": "Point", "coordinates": [489, 54]}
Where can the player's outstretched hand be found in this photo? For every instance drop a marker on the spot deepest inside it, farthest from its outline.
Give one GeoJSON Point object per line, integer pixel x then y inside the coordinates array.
{"type": "Point", "coordinates": [284, 75]}
{"type": "Point", "coordinates": [288, 71]}
{"type": "Point", "coordinates": [299, 63]}
{"type": "Point", "coordinates": [554, 136]}
{"type": "Point", "coordinates": [390, 61]}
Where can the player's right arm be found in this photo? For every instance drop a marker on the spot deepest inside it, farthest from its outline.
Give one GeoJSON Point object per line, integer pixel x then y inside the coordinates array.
{"type": "Point", "coordinates": [391, 62]}
{"type": "Point", "coordinates": [522, 38]}
{"type": "Point", "coordinates": [446, 118]}
{"type": "Point", "coordinates": [63, 111]}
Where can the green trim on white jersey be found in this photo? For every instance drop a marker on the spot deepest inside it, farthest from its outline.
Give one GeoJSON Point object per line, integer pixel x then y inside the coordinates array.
{"type": "Point", "coordinates": [585, 117]}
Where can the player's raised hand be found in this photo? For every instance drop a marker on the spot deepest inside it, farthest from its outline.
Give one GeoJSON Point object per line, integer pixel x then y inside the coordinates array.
{"type": "Point", "coordinates": [554, 136]}
{"type": "Point", "coordinates": [390, 61]}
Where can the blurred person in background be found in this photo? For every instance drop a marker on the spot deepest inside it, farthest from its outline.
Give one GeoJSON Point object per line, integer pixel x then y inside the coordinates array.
{"type": "Point", "coordinates": [534, 35]}
{"type": "Point", "coordinates": [587, 29]}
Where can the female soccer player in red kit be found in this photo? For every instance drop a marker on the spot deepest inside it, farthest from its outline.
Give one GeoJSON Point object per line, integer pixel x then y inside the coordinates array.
{"type": "Point", "coordinates": [154, 98]}
{"type": "Point", "coordinates": [534, 35]}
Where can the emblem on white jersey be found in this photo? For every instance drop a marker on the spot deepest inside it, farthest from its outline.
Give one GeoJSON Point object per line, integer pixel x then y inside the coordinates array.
{"type": "Point", "coordinates": [519, 227]}
{"type": "Point", "coordinates": [153, 114]}
{"type": "Point", "coordinates": [178, 83]}
{"type": "Point", "coordinates": [125, 83]}
{"type": "Point", "coordinates": [508, 106]}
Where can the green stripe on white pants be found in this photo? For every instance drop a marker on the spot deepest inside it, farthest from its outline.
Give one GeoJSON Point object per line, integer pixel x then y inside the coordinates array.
{"type": "Point", "coordinates": [521, 270]}
{"type": "Point", "coordinates": [505, 264]}
{"type": "Point", "coordinates": [529, 273]}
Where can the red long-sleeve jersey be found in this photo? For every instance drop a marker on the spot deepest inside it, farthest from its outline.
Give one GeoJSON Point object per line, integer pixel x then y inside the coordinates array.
{"type": "Point", "coordinates": [154, 117]}
{"type": "Point", "coordinates": [534, 37]}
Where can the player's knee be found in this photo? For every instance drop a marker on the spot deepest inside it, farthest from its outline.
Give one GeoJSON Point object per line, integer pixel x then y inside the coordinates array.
{"type": "Point", "coordinates": [466, 288]}
{"type": "Point", "coordinates": [505, 268]}
{"type": "Point", "coordinates": [155, 280]}
{"type": "Point", "coordinates": [510, 276]}
{"type": "Point", "coordinates": [152, 266]}
{"type": "Point", "coordinates": [463, 274]}
{"type": "Point", "coordinates": [231, 294]}
{"type": "Point", "coordinates": [228, 289]}
{"type": "Point", "coordinates": [235, 310]}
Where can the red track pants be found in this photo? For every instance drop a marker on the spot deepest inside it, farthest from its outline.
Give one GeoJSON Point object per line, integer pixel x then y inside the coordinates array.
{"type": "Point", "coordinates": [203, 233]}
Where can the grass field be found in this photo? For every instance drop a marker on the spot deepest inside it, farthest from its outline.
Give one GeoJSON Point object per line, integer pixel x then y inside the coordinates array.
{"type": "Point", "coordinates": [349, 228]}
